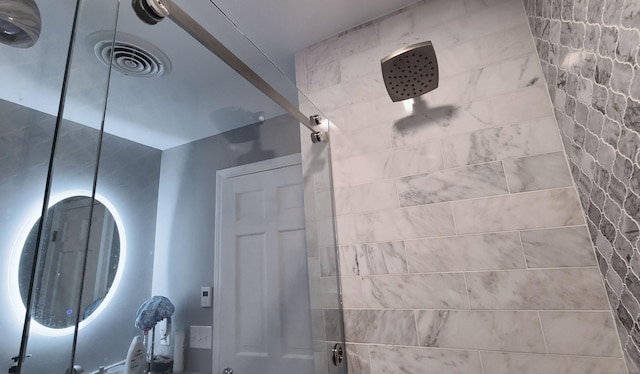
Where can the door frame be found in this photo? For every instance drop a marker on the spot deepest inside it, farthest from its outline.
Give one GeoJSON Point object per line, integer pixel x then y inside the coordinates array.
{"type": "Point", "coordinates": [221, 175]}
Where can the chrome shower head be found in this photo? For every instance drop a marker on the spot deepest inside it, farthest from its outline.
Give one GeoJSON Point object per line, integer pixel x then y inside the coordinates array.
{"type": "Point", "coordinates": [410, 71]}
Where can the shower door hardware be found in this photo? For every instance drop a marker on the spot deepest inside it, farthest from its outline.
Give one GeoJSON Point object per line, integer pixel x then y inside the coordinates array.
{"type": "Point", "coordinates": [15, 362]}
{"type": "Point", "coordinates": [337, 354]}
{"type": "Point", "coordinates": [154, 11]}
{"type": "Point", "coordinates": [227, 371]}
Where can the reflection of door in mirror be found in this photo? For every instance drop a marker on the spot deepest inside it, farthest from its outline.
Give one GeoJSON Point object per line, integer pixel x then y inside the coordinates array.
{"type": "Point", "coordinates": [60, 275]}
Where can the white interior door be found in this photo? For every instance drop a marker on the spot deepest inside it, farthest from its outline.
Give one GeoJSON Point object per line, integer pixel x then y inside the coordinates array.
{"type": "Point", "coordinates": [263, 293]}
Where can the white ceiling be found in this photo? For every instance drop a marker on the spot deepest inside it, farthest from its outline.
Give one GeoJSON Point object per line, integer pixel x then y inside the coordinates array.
{"type": "Point", "coordinates": [201, 96]}
{"type": "Point", "coordinates": [282, 27]}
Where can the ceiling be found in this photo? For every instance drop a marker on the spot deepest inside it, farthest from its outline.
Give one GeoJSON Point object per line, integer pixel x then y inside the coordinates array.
{"type": "Point", "coordinates": [282, 27]}
{"type": "Point", "coordinates": [199, 96]}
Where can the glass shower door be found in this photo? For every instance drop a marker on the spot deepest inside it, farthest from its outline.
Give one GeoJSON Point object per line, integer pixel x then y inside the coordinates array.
{"type": "Point", "coordinates": [130, 207]}
{"type": "Point", "coordinates": [204, 118]}
{"type": "Point", "coordinates": [30, 95]}
{"type": "Point", "coordinates": [53, 97]}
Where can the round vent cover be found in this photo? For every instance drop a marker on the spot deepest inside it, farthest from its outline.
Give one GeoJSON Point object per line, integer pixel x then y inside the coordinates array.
{"type": "Point", "coordinates": [132, 56]}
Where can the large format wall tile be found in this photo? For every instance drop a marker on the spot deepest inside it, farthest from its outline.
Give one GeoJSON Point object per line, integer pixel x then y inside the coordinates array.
{"type": "Point", "coordinates": [400, 360]}
{"type": "Point", "coordinates": [358, 358]}
{"type": "Point", "coordinates": [366, 197]}
{"type": "Point", "coordinates": [507, 76]}
{"type": "Point", "coordinates": [580, 333]}
{"type": "Point", "coordinates": [559, 247]}
{"type": "Point", "coordinates": [549, 208]}
{"type": "Point", "coordinates": [574, 289]}
{"type": "Point", "coordinates": [396, 224]}
{"type": "Point", "coordinates": [497, 47]}
{"type": "Point", "coordinates": [415, 291]}
{"type": "Point", "coordinates": [427, 122]}
{"type": "Point", "coordinates": [351, 292]}
{"type": "Point", "coordinates": [522, 363]}
{"type": "Point", "coordinates": [537, 172]}
{"type": "Point", "coordinates": [380, 326]}
{"type": "Point", "coordinates": [526, 104]}
{"type": "Point", "coordinates": [398, 162]}
{"type": "Point", "coordinates": [460, 253]}
{"type": "Point", "coordinates": [499, 331]}
{"type": "Point", "coordinates": [345, 144]}
{"type": "Point", "coordinates": [373, 259]}
{"type": "Point", "coordinates": [453, 184]}
{"type": "Point", "coordinates": [529, 138]}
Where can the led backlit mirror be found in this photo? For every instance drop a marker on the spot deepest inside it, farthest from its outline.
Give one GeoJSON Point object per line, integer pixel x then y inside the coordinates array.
{"type": "Point", "coordinates": [59, 273]}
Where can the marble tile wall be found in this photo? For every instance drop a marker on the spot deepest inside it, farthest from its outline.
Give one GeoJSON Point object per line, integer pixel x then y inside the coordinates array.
{"type": "Point", "coordinates": [463, 246]}
{"type": "Point", "coordinates": [589, 51]}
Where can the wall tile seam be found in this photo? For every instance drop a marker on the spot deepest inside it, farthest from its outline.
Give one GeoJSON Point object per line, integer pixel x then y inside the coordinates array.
{"type": "Point", "coordinates": [604, 280]}
{"type": "Point", "coordinates": [485, 311]}
{"type": "Point", "coordinates": [630, 270]}
{"type": "Point", "coordinates": [458, 235]}
{"type": "Point", "coordinates": [612, 309]}
{"type": "Point", "coordinates": [598, 41]}
{"type": "Point", "coordinates": [480, 351]}
{"type": "Point", "coordinates": [613, 291]}
{"type": "Point", "coordinates": [615, 272]}
{"type": "Point", "coordinates": [596, 161]}
{"type": "Point", "coordinates": [631, 339]}
{"type": "Point", "coordinates": [464, 235]}
{"type": "Point", "coordinates": [604, 114]}
{"type": "Point", "coordinates": [393, 179]}
{"type": "Point", "coordinates": [635, 317]}
{"type": "Point", "coordinates": [378, 43]}
{"type": "Point", "coordinates": [473, 271]}
{"type": "Point", "coordinates": [617, 223]}
{"type": "Point", "coordinates": [445, 139]}
{"type": "Point", "coordinates": [459, 200]}
{"type": "Point", "coordinates": [462, 102]}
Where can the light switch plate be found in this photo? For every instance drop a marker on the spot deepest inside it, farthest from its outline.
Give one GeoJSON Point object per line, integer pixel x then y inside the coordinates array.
{"type": "Point", "coordinates": [200, 337]}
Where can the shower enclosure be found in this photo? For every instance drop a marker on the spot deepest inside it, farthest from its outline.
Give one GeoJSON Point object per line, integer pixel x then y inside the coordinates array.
{"type": "Point", "coordinates": [135, 162]}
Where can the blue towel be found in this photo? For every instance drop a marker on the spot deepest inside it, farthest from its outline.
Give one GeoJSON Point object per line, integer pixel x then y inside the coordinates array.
{"type": "Point", "coordinates": [153, 311]}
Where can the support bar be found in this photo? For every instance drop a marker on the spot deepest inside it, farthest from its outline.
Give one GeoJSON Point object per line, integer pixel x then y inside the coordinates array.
{"type": "Point", "coordinates": [154, 11]}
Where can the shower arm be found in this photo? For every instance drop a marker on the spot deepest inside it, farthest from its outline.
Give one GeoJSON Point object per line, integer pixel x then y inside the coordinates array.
{"type": "Point", "coordinates": [154, 11]}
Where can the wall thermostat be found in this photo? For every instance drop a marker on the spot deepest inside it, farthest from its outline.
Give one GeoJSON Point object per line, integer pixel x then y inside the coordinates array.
{"type": "Point", "coordinates": [206, 295]}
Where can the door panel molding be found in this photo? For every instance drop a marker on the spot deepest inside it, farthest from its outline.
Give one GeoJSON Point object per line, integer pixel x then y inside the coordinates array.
{"type": "Point", "coordinates": [221, 176]}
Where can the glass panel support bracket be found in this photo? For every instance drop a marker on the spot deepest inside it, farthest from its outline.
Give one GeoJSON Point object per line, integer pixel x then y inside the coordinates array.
{"type": "Point", "coordinates": [154, 11]}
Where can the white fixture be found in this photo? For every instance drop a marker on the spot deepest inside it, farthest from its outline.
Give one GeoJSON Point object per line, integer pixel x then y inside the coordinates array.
{"type": "Point", "coordinates": [200, 337]}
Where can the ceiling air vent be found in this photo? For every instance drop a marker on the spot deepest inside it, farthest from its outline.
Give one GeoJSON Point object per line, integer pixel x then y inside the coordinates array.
{"type": "Point", "coordinates": [131, 56]}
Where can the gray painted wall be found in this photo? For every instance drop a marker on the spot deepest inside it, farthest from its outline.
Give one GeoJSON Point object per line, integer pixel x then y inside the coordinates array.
{"type": "Point", "coordinates": [186, 209]}
{"type": "Point", "coordinates": [128, 177]}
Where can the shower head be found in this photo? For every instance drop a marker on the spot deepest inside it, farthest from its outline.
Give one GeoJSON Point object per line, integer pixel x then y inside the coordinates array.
{"type": "Point", "coordinates": [410, 71]}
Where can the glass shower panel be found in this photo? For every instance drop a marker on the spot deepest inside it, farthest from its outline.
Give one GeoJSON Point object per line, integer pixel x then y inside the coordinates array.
{"type": "Point", "coordinates": [322, 259]}
{"type": "Point", "coordinates": [30, 96]}
{"type": "Point", "coordinates": [211, 185]}
{"type": "Point", "coordinates": [76, 230]}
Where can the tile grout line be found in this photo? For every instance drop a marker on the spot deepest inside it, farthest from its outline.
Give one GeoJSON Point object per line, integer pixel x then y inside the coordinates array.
{"type": "Point", "coordinates": [466, 287]}
{"type": "Point", "coordinates": [544, 339]}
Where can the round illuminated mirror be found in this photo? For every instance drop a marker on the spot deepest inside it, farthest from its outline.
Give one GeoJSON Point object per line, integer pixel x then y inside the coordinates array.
{"type": "Point", "coordinates": [63, 284]}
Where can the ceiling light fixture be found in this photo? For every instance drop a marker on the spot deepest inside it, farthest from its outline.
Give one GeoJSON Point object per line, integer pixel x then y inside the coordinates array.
{"type": "Point", "coordinates": [20, 23]}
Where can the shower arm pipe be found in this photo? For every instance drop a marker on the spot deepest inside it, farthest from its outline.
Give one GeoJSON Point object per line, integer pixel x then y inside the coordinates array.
{"type": "Point", "coordinates": [153, 11]}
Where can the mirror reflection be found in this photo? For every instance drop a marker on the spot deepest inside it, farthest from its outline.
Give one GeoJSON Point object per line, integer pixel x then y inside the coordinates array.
{"type": "Point", "coordinates": [70, 228]}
